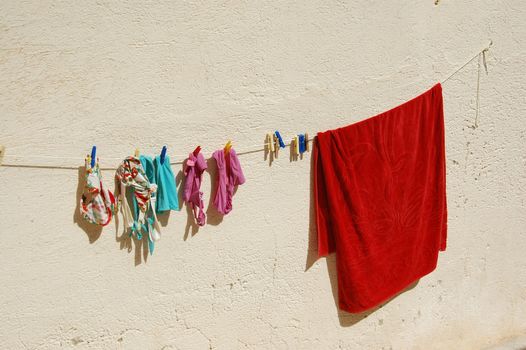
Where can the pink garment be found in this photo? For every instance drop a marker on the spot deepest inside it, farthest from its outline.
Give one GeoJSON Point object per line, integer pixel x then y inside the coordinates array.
{"type": "Point", "coordinates": [195, 166]}
{"type": "Point", "coordinates": [229, 175]}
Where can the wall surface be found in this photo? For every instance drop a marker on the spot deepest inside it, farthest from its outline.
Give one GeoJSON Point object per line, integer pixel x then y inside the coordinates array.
{"type": "Point", "coordinates": [146, 73]}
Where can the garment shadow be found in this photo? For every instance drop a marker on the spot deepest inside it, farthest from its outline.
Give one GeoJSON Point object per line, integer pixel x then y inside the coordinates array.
{"type": "Point", "coordinates": [91, 230]}
{"type": "Point", "coordinates": [213, 217]}
{"type": "Point", "coordinates": [312, 247]}
{"type": "Point", "coordinates": [126, 241]}
{"type": "Point", "coordinates": [191, 225]}
{"type": "Point", "coordinates": [346, 319]}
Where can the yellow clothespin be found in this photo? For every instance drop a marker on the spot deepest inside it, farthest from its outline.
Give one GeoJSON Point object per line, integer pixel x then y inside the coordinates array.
{"type": "Point", "coordinates": [137, 153]}
{"type": "Point", "coordinates": [275, 141]}
{"type": "Point", "coordinates": [228, 146]}
{"type": "Point", "coordinates": [296, 145]}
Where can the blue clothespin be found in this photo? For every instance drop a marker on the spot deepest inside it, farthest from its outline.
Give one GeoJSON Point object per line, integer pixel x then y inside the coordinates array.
{"type": "Point", "coordinates": [163, 154]}
{"type": "Point", "coordinates": [281, 143]}
{"type": "Point", "coordinates": [301, 141]}
{"type": "Point", "coordinates": [93, 155]}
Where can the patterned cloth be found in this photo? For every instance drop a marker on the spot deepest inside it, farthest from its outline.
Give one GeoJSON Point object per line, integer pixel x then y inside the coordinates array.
{"type": "Point", "coordinates": [97, 206]}
{"type": "Point", "coordinates": [131, 175]}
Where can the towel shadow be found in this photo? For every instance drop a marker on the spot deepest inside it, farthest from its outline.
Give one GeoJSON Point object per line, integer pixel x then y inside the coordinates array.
{"type": "Point", "coordinates": [92, 231]}
{"type": "Point", "coordinates": [345, 318]}
{"type": "Point", "coordinates": [191, 224]}
{"type": "Point", "coordinates": [312, 250]}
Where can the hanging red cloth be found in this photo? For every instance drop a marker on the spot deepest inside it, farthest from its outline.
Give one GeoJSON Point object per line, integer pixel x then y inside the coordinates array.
{"type": "Point", "coordinates": [380, 198]}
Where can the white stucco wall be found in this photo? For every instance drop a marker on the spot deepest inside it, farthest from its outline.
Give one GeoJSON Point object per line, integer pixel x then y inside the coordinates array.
{"type": "Point", "coordinates": [143, 74]}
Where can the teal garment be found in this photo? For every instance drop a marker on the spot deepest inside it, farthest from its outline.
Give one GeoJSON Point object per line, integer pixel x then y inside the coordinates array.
{"type": "Point", "coordinates": [166, 189]}
{"type": "Point", "coordinates": [149, 169]}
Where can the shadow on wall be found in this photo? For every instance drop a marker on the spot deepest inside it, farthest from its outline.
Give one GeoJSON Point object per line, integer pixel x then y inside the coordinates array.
{"type": "Point", "coordinates": [346, 319]}
{"type": "Point", "coordinates": [127, 241]}
{"type": "Point", "coordinates": [93, 232]}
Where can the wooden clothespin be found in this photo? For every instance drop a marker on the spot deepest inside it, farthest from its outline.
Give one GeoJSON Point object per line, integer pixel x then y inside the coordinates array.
{"type": "Point", "coordinates": [296, 145]}
{"type": "Point", "coordinates": [275, 141]}
{"type": "Point", "coordinates": [307, 148]}
{"type": "Point", "coordinates": [270, 142]}
{"type": "Point", "coordinates": [137, 153]}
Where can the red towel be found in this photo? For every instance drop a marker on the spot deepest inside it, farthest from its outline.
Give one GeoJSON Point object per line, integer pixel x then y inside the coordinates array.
{"type": "Point", "coordinates": [380, 192]}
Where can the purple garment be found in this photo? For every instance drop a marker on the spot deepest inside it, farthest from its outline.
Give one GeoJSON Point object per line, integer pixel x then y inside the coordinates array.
{"type": "Point", "coordinates": [195, 166]}
{"type": "Point", "coordinates": [229, 175]}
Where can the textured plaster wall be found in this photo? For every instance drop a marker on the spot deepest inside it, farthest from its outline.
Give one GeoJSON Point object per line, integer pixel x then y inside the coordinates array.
{"type": "Point", "coordinates": [141, 73]}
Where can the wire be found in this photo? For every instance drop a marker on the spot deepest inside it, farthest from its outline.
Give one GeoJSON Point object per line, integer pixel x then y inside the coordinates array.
{"type": "Point", "coordinates": [45, 166]}
{"type": "Point", "coordinates": [483, 51]}
{"type": "Point", "coordinates": [250, 151]}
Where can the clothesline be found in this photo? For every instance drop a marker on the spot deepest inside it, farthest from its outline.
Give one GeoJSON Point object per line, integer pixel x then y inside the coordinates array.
{"type": "Point", "coordinates": [260, 147]}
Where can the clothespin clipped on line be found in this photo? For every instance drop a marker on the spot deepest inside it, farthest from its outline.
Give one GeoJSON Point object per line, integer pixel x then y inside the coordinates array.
{"type": "Point", "coordinates": [2, 152]}
{"type": "Point", "coordinates": [93, 155]}
{"type": "Point", "coordinates": [271, 145]}
{"type": "Point", "coordinates": [163, 154]}
{"type": "Point", "coordinates": [303, 143]}
{"type": "Point", "coordinates": [197, 150]}
{"type": "Point", "coordinates": [137, 153]}
{"type": "Point", "coordinates": [280, 140]}
{"type": "Point", "coordinates": [274, 142]}
{"type": "Point", "coordinates": [228, 146]}
{"type": "Point", "coordinates": [296, 146]}
{"type": "Point", "coordinates": [300, 144]}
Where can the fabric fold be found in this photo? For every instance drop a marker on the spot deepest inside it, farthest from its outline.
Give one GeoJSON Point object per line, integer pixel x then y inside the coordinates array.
{"type": "Point", "coordinates": [229, 175]}
{"type": "Point", "coordinates": [194, 168]}
{"type": "Point", "coordinates": [380, 199]}
{"type": "Point", "coordinates": [166, 191]}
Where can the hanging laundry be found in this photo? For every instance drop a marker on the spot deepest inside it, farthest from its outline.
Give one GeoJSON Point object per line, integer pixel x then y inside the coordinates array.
{"type": "Point", "coordinates": [132, 176]}
{"type": "Point", "coordinates": [380, 199]}
{"type": "Point", "coordinates": [166, 190]}
{"type": "Point", "coordinates": [229, 175]}
{"type": "Point", "coordinates": [150, 224]}
{"type": "Point", "coordinates": [98, 205]}
{"type": "Point", "coordinates": [195, 165]}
